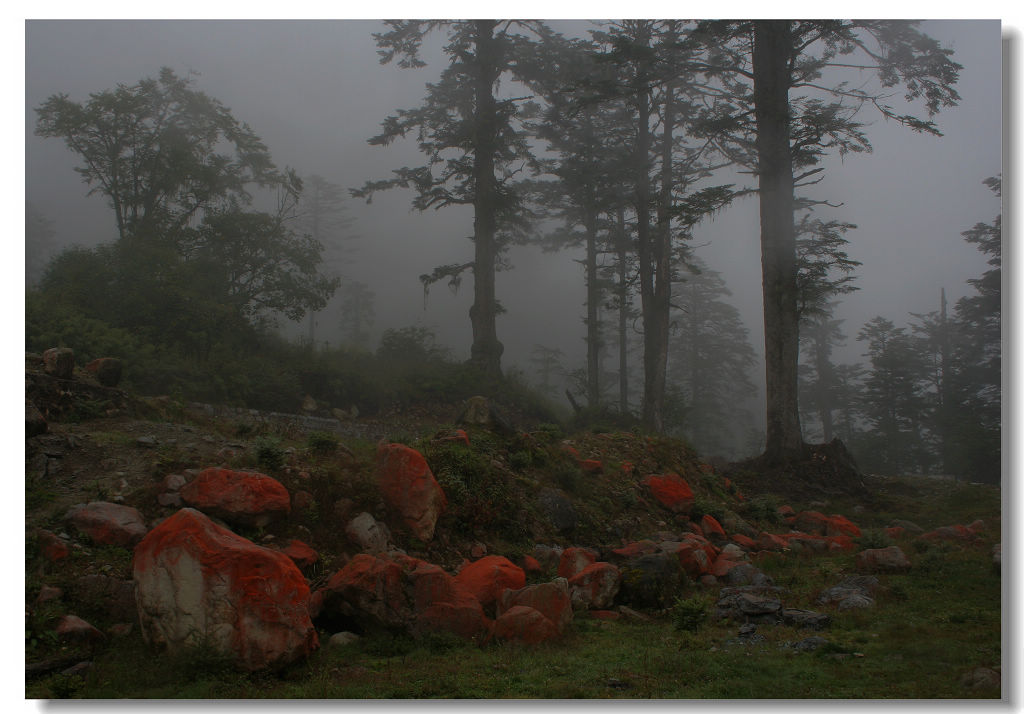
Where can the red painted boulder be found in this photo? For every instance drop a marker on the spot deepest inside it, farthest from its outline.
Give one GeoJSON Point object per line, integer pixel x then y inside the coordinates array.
{"type": "Point", "coordinates": [551, 599]}
{"type": "Point", "coordinates": [488, 577]}
{"type": "Point", "coordinates": [410, 489]}
{"type": "Point", "coordinates": [815, 523]}
{"type": "Point", "coordinates": [238, 497]}
{"type": "Point", "coordinates": [442, 605]}
{"type": "Point", "coordinates": [671, 491]}
{"type": "Point", "coordinates": [108, 523]}
{"type": "Point", "coordinates": [51, 546]}
{"type": "Point", "coordinates": [524, 624]}
{"type": "Point", "coordinates": [575, 560]}
{"type": "Point", "coordinates": [198, 583]}
{"type": "Point", "coordinates": [300, 553]}
{"type": "Point", "coordinates": [369, 589]}
{"type": "Point", "coordinates": [595, 587]}
{"type": "Point", "coordinates": [712, 529]}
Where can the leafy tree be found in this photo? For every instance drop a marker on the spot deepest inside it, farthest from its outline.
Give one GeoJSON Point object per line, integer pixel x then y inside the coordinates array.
{"type": "Point", "coordinates": [547, 361]}
{"type": "Point", "coordinates": [777, 115]}
{"type": "Point", "coordinates": [357, 313]}
{"type": "Point", "coordinates": [474, 149]}
{"type": "Point", "coordinates": [39, 243]}
{"type": "Point", "coordinates": [892, 399]}
{"type": "Point", "coordinates": [192, 264]}
{"type": "Point", "coordinates": [321, 213]}
{"type": "Point", "coordinates": [156, 150]}
{"type": "Point", "coordinates": [977, 386]}
{"type": "Point", "coordinates": [652, 83]}
{"type": "Point", "coordinates": [820, 334]}
{"type": "Point", "coordinates": [710, 363]}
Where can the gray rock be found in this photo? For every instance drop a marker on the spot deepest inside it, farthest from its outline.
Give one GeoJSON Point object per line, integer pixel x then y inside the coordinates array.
{"type": "Point", "coordinates": [808, 644]}
{"type": "Point", "coordinates": [338, 639]}
{"type": "Point", "coordinates": [805, 618]}
{"type": "Point", "coordinates": [558, 509]}
{"type": "Point", "coordinates": [746, 574]}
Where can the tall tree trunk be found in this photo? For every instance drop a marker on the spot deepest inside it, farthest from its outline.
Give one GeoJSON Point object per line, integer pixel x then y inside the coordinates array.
{"type": "Point", "coordinates": [771, 65]}
{"type": "Point", "coordinates": [651, 407]}
{"type": "Point", "coordinates": [594, 341]}
{"type": "Point", "coordinates": [593, 318]}
{"type": "Point", "coordinates": [486, 350]}
{"type": "Point", "coordinates": [623, 288]}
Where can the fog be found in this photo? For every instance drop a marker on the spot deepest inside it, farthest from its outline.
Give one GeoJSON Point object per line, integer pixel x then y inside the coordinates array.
{"type": "Point", "coordinates": [315, 92]}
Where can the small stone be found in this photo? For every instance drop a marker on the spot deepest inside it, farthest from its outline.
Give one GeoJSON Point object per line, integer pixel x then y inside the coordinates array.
{"type": "Point", "coordinates": [339, 639]}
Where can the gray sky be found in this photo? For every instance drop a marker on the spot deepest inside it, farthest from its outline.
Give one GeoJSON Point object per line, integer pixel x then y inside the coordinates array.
{"type": "Point", "coordinates": [315, 93]}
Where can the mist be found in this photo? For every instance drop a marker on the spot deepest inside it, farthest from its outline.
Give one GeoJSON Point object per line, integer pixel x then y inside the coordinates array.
{"type": "Point", "coordinates": [315, 92]}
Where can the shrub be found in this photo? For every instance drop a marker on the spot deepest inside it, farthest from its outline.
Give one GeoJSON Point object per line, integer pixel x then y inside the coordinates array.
{"type": "Point", "coordinates": [690, 614]}
{"type": "Point", "coordinates": [322, 443]}
{"type": "Point", "coordinates": [874, 538]}
{"type": "Point", "coordinates": [269, 454]}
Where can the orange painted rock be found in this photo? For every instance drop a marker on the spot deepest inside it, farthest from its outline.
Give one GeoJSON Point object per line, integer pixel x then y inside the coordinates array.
{"type": "Point", "coordinates": [550, 599]}
{"type": "Point", "coordinates": [488, 577]}
{"type": "Point", "coordinates": [410, 489]}
{"type": "Point", "coordinates": [595, 587]}
{"type": "Point", "coordinates": [575, 560]}
{"type": "Point", "coordinates": [238, 497]}
{"type": "Point", "coordinates": [52, 547]}
{"type": "Point", "coordinates": [712, 528]}
{"type": "Point", "coordinates": [108, 523]}
{"type": "Point", "coordinates": [671, 491]}
{"type": "Point", "coordinates": [370, 589]}
{"type": "Point", "coordinates": [300, 553]}
{"type": "Point", "coordinates": [442, 605]}
{"type": "Point", "coordinates": [198, 583]}
{"type": "Point", "coordinates": [524, 624]}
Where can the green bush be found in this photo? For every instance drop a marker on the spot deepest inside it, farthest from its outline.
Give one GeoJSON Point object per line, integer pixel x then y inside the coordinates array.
{"type": "Point", "coordinates": [690, 614]}
{"type": "Point", "coordinates": [269, 454]}
{"type": "Point", "coordinates": [322, 443]}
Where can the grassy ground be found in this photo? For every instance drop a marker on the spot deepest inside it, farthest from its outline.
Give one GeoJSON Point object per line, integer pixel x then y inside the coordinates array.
{"type": "Point", "coordinates": [927, 629]}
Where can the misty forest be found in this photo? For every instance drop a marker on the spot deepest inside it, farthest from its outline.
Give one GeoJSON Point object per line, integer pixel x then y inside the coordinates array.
{"type": "Point", "coordinates": [216, 280]}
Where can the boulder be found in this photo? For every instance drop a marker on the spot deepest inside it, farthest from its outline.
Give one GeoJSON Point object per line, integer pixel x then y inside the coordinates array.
{"type": "Point", "coordinates": [557, 508]}
{"type": "Point", "coordinates": [805, 618]}
{"type": "Point", "coordinates": [524, 624]}
{"type": "Point", "coordinates": [35, 422]}
{"type": "Point", "coordinates": [815, 523]}
{"type": "Point", "coordinates": [548, 556]}
{"type": "Point", "coordinates": [108, 523]}
{"type": "Point", "coordinates": [107, 370]}
{"type": "Point", "coordinates": [369, 590]}
{"type": "Point", "coordinates": [441, 604]}
{"type": "Point", "coordinates": [712, 529]}
{"type": "Point", "coordinates": [950, 533]}
{"type": "Point", "coordinates": [749, 603]}
{"type": "Point", "coordinates": [551, 599]}
{"type": "Point", "coordinates": [300, 553]}
{"type": "Point", "coordinates": [237, 497]}
{"type": "Point", "coordinates": [369, 534]}
{"type": "Point", "coordinates": [883, 560]}
{"type": "Point", "coordinates": [595, 587]}
{"type": "Point", "coordinates": [59, 362]}
{"type": "Point", "coordinates": [671, 491]}
{"type": "Point", "coordinates": [745, 574]}
{"type": "Point", "coordinates": [651, 580]}
{"type": "Point", "coordinates": [409, 489]}
{"type": "Point", "coordinates": [488, 577]}
{"type": "Point", "coordinates": [197, 583]}
{"type": "Point", "coordinates": [853, 591]}
{"type": "Point", "coordinates": [575, 560]}
{"type": "Point", "coordinates": [71, 628]}
{"type": "Point", "coordinates": [52, 547]}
